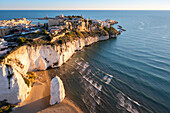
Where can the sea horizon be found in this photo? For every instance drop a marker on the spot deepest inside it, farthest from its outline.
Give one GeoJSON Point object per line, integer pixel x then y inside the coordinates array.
{"type": "Point", "coordinates": [77, 10]}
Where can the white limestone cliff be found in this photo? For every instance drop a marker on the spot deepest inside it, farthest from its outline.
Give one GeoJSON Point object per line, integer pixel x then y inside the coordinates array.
{"type": "Point", "coordinates": [27, 59]}
{"type": "Point", "coordinates": [57, 91]}
{"type": "Point", "coordinates": [12, 88]}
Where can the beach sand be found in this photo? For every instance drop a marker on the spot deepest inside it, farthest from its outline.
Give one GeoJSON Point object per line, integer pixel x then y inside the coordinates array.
{"type": "Point", "coordinates": [39, 97]}
{"type": "Point", "coordinates": [66, 106]}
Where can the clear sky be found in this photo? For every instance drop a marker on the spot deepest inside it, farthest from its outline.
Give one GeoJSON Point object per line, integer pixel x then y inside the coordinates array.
{"type": "Point", "coordinates": [84, 4]}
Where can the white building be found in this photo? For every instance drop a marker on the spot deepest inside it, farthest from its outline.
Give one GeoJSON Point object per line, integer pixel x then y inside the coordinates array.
{"type": "Point", "coordinates": [55, 22]}
{"type": "Point", "coordinates": [3, 46]}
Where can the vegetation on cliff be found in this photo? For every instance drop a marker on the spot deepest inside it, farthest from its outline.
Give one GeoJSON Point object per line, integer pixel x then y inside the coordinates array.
{"type": "Point", "coordinates": [69, 36]}
{"type": "Point", "coordinates": [6, 107]}
{"type": "Point", "coordinates": [74, 35]}
{"type": "Point", "coordinates": [30, 78]}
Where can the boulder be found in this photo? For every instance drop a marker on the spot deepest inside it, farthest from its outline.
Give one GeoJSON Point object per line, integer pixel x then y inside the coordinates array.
{"type": "Point", "coordinates": [57, 91]}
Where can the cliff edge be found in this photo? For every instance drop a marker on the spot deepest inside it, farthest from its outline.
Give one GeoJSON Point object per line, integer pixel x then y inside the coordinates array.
{"type": "Point", "coordinates": [14, 86]}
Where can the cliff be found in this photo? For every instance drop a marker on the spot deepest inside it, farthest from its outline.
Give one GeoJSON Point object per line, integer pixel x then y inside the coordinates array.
{"type": "Point", "coordinates": [15, 66]}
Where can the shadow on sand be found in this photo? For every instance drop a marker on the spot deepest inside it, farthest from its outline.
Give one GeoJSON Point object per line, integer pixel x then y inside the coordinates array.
{"type": "Point", "coordinates": [34, 107]}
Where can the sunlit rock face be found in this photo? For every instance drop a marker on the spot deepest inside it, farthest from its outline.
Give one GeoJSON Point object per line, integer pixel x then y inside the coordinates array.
{"type": "Point", "coordinates": [42, 57]}
{"type": "Point", "coordinates": [12, 86]}
{"type": "Point", "coordinates": [57, 91]}
{"type": "Point", "coordinates": [29, 58]}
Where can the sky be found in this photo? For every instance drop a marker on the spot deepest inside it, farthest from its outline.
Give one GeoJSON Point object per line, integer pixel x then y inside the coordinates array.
{"type": "Point", "coordinates": [84, 4]}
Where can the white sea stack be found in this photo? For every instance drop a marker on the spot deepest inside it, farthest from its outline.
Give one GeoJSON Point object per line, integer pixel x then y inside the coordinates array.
{"type": "Point", "coordinates": [57, 91]}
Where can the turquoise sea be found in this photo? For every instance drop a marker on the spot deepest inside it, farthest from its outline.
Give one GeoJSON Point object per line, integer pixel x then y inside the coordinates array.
{"type": "Point", "coordinates": [127, 74]}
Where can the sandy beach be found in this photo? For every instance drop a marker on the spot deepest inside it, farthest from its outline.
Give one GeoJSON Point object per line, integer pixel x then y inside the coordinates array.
{"type": "Point", "coordinates": [39, 97]}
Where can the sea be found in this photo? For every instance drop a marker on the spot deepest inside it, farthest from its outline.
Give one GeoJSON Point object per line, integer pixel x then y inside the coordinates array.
{"type": "Point", "coordinates": [130, 74]}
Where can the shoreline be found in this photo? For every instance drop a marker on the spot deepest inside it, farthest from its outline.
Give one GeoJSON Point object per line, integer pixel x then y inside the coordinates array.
{"type": "Point", "coordinates": [38, 100]}
{"type": "Point", "coordinates": [34, 58]}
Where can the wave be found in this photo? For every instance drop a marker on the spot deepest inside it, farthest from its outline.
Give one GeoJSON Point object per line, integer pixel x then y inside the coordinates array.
{"type": "Point", "coordinates": [129, 87]}
{"type": "Point", "coordinates": [145, 77]}
{"type": "Point", "coordinates": [127, 104]}
{"type": "Point", "coordinates": [115, 88]}
{"type": "Point", "coordinates": [160, 62]}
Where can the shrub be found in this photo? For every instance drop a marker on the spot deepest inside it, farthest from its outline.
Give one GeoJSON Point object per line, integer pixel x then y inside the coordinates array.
{"type": "Point", "coordinates": [31, 75]}
{"type": "Point", "coordinates": [6, 107]}
{"type": "Point", "coordinates": [27, 81]}
{"type": "Point", "coordinates": [21, 40]}
{"type": "Point", "coordinates": [30, 78]}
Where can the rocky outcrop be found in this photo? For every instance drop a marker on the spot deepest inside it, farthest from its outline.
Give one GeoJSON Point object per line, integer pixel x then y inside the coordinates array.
{"type": "Point", "coordinates": [57, 91]}
{"type": "Point", "coordinates": [12, 86]}
{"type": "Point", "coordinates": [16, 65]}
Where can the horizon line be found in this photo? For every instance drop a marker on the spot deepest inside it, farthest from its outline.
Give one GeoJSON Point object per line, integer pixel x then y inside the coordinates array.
{"type": "Point", "coordinates": [84, 9]}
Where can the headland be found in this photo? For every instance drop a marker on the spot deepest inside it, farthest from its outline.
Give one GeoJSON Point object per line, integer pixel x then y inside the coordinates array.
{"type": "Point", "coordinates": [26, 48]}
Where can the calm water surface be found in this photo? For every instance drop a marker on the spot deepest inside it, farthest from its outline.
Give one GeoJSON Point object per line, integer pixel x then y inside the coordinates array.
{"type": "Point", "coordinates": [130, 74]}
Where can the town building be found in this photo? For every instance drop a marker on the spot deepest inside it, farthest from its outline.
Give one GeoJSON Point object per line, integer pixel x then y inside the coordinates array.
{"type": "Point", "coordinates": [4, 31]}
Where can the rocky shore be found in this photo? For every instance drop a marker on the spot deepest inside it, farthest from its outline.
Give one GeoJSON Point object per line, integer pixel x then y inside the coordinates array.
{"type": "Point", "coordinates": [16, 65]}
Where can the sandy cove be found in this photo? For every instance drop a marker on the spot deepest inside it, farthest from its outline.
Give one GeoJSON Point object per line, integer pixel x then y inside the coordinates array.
{"type": "Point", "coordinates": [38, 100]}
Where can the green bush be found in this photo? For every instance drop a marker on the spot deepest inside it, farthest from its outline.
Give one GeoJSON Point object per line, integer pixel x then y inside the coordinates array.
{"type": "Point", "coordinates": [31, 76]}
{"type": "Point", "coordinates": [21, 40]}
{"type": "Point", "coordinates": [27, 81]}
{"type": "Point", "coordinates": [6, 108]}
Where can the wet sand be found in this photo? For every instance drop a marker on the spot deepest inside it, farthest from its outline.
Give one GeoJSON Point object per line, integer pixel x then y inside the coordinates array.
{"type": "Point", "coordinates": [39, 97]}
